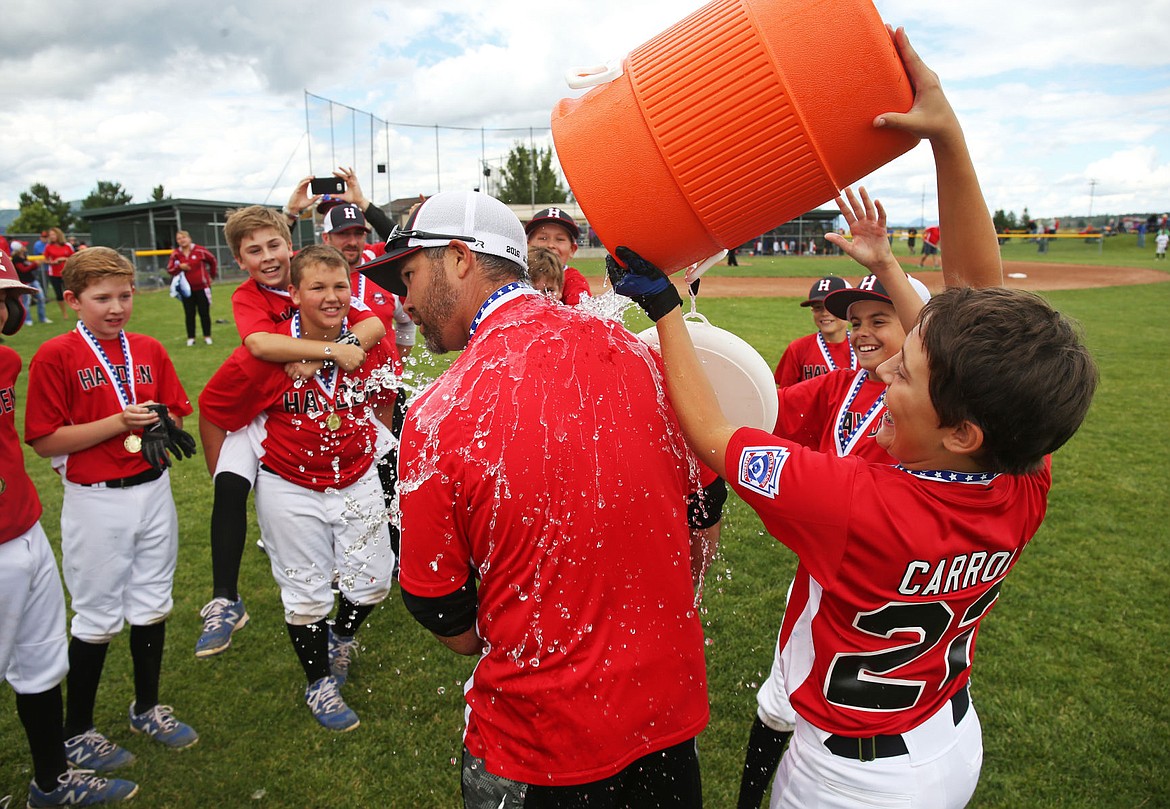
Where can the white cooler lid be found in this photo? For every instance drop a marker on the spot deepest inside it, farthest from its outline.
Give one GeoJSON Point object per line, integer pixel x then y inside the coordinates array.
{"type": "Point", "coordinates": [743, 382]}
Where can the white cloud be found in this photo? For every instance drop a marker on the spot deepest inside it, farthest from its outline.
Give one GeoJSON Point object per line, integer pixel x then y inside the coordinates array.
{"type": "Point", "coordinates": [208, 100]}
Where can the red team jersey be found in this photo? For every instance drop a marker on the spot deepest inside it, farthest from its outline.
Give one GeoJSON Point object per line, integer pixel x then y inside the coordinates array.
{"type": "Point", "coordinates": [582, 673]}
{"type": "Point", "coordinates": [67, 385]}
{"type": "Point", "coordinates": [19, 502]}
{"type": "Point", "coordinates": [899, 568]}
{"type": "Point", "coordinates": [257, 308]}
{"type": "Point", "coordinates": [299, 445]}
{"type": "Point", "coordinates": [576, 288]}
{"type": "Point", "coordinates": [55, 257]}
{"type": "Point", "coordinates": [204, 267]}
{"type": "Point", "coordinates": [838, 413]}
{"type": "Point", "coordinates": [811, 356]}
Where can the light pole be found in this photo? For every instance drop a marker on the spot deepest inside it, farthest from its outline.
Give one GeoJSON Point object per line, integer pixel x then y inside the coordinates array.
{"type": "Point", "coordinates": [1092, 186]}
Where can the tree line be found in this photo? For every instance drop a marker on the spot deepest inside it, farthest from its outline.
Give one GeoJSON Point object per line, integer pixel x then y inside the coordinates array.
{"type": "Point", "coordinates": [528, 175]}
{"type": "Point", "coordinates": [42, 208]}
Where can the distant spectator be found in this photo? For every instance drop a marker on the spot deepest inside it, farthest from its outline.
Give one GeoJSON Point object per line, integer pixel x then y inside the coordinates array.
{"type": "Point", "coordinates": [56, 251]}
{"type": "Point", "coordinates": [26, 271]}
{"type": "Point", "coordinates": [911, 239]}
{"type": "Point", "coordinates": [931, 239]}
{"type": "Point", "coordinates": [1042, 242]}
{"type": "Point", "coordinates": [198, 268]}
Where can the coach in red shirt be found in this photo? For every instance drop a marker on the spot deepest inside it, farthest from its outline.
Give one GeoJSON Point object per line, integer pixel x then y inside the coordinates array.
{"type": "Point", "coordinates": [544, 495]}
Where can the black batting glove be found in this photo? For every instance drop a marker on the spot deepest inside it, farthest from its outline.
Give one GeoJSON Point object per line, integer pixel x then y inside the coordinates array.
{"type": "Point", "coordinates": [154, 440]}
{"type": "Point", "coordinates": [180, 443]}
{"type": "Point", "coordinates": [642, 282]}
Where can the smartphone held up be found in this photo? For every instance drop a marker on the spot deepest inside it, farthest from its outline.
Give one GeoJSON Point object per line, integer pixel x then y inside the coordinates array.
{"type": "Point", "coordinates": [332, 186]}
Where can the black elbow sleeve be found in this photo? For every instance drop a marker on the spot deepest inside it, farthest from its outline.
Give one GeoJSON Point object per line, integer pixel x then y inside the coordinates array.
{"type": "Point", "coordinates": [446, 616]}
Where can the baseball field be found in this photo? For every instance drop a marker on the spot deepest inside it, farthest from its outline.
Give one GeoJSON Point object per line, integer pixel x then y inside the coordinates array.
{"type": "Point", "coordinates": [1070, 682]}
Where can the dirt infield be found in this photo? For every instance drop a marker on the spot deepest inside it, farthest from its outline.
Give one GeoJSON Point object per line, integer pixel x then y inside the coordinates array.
{"type": "Point", "coordinates": [1036, 276]}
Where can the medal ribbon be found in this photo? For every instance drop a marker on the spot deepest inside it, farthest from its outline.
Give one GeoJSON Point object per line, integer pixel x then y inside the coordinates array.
{"type": "Point", "coordinates": [326, 382]}
{"type": "Point", "coordinates": [507, 292]}
{"type": "Point", "coordinates": [845, 442]}
{"type": "Point", "coordinates": [126, 392]}
{"type": "Point", "coordinates": [947, 476]}
{"type": "Point", "coordinates": [824, 347]}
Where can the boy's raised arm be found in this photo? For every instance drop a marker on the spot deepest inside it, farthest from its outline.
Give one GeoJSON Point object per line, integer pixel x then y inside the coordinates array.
{"type": "Point", "coordinates": [870, 247]}
{"type": "Point", "coordinates": [970, 245]}
{"type": "Point", "coordinates": [706, 428]}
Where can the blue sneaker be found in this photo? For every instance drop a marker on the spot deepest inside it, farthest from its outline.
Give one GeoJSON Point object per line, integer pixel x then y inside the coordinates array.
{"type": "Point", "coordinates": [81, 788]}
{"type": "Point", "coordinates": [159, 723]}
{"type": "Point", "coordinates": [342, 650]}
{"type": "Point", "coordinates": [221, 619]}
{"type": "Point", "coordinates": [93, 751]}
{"type": "Point", "coordinates": [328, 707]}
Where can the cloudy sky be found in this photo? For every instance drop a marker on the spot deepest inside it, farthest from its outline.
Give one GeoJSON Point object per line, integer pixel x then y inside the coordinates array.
{"type": "Point", "coordinates": [1066, 105]}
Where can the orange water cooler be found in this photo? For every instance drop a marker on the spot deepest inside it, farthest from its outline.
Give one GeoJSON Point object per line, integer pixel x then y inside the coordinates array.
{"type": "Point", "coordinates": [744, 115]}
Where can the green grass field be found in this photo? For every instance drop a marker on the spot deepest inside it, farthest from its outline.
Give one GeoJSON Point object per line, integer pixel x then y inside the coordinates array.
{"type": "Point", "coordinates": [1070, 683]}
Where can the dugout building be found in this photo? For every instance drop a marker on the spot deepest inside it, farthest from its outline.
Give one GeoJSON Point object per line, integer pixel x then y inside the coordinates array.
{"type": "Point", "coordinates": [812, 225]}
{"type": "Point", "coordinates": [150, 227]}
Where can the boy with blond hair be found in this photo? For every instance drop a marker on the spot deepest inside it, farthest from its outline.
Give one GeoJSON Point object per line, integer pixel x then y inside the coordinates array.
{"type": "Point", "coordinates": [110, 404]}
{"type": "Point", "coordinates": [259, 239]}
{"type": "Point", "coordinates": [318, 497]}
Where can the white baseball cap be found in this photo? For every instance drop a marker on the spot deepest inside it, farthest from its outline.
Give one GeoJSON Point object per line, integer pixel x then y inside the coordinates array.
{"type": "Point", "coordinates": [485, 223]}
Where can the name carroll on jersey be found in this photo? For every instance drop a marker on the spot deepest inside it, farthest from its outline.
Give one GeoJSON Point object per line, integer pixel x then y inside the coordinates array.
{"type": "Point", "coordinates": [951, 574]}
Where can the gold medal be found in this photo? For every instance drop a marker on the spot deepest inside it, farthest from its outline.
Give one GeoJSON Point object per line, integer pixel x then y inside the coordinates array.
{"type": "Point", "coordinates": [333, 422]}
{"type": "Point", "coordinates": [133, 443]}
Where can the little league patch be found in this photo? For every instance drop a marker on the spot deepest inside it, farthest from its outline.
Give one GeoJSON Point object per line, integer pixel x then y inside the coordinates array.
{"type": "Point", "coordinates": [759, 469]}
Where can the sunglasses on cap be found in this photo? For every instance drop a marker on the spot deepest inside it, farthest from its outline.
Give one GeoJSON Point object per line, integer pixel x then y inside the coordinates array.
{"type": "Point", "coordinates": [398, 234]}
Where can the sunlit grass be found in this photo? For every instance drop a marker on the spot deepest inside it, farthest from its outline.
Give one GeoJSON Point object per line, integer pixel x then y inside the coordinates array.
{"type": "Point", "coordinates": [1070, 681]}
